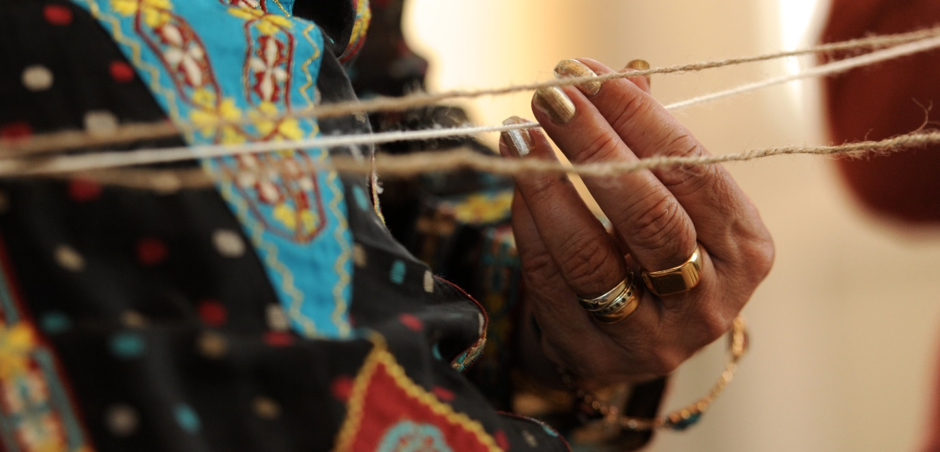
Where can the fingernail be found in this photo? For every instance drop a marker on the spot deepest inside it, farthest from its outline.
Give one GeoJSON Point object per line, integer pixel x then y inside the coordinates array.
{"type": "Point", "coordinates": [641, 65]}
{"type": "Point", "coordinates": [555, 103]}
{"type": "Point", "coordinates": [517, 140]}
{"type": "Point", "coordinates": [575, 68]}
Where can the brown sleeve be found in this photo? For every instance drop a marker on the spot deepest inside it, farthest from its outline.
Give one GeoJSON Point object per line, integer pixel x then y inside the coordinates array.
{"type": "Point", "coordinates": [886, 100]}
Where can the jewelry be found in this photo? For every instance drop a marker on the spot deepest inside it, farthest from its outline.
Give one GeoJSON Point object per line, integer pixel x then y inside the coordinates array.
{"type": "Point", "coordinates": [616, 304]}
{"type": "Point", "coordinates": [622, 307]}
{"type": "Point", "coordinates": [678, 279]}
{"type": "Point", "coordinates": [677, 420]}
{"type": "Point", "coordinates": [599, 302]}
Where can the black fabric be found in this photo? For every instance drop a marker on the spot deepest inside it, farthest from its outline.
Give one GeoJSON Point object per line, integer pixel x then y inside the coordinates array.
{"type": "Point", "coordinates": [144, 313]}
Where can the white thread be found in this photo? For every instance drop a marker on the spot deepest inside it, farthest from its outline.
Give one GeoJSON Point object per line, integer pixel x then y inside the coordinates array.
{"type": "Point", "coordinates": [61, 141]}
{"type": "Point", "coordinates": [114, 159]}
{"type": "Point", "coordinates": [826, 69]}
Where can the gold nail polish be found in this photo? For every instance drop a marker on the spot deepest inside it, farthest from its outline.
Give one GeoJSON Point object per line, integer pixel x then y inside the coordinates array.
{"type": "Point", "coordinates": [555, 103]}
{"type": "Point", "coordinates": [575, 68]}
{"type": "Point", "coordinates": [517, 140]}
{"type": "Point", "coordinates": [641, 65]}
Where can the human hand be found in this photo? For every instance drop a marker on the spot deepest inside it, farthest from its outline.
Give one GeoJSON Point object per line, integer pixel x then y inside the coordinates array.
{"type": "Point", "coordinates": [658, 218]}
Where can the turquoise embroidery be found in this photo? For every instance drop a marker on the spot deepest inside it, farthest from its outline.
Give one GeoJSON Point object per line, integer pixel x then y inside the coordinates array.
{"type": "Point", "coordinates": [187, 418]}
{"type": "Point", "coordinates": [361, 200]}
{"type": "Point", "coordinates": [55, 322]}
{"type": "Point", "coordinates": [409, 436]}
{"type": "Point", "coordinates": [244, 65]}
{"type": "Point", "coordinates": [397, 273]}
{"type": "Point", "coordinates": [37, 413]}
{"type": "Point", "coordinates": [127, 345]}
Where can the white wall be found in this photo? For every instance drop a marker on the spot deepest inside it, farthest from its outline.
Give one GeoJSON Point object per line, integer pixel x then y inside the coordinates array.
{"type": "Point", "coordinates": [844, 329]}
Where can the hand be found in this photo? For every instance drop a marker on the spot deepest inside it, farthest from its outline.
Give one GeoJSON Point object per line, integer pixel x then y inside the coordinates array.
{"type": "Point", "coordinates": [658, 217]}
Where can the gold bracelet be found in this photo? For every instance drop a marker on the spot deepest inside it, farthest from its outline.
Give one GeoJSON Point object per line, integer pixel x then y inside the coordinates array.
{"type": "Point", "coordinates": [679, 419]}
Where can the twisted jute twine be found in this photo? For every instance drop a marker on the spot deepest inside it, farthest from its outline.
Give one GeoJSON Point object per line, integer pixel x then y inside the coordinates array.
{"type": "Point", "coordinates": [92, 164]}
{"type": "Point", "coordinates": [411, 165]}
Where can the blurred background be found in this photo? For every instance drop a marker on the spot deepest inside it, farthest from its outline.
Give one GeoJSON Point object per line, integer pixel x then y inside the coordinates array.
{"type": "Point", "coordinates": [845, 330]}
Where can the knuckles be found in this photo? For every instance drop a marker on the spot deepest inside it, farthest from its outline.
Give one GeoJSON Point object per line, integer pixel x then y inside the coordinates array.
{"type": "Point", "coordinates": [662, 225]}
{"type": "Point", "coordinates": [591, 264]}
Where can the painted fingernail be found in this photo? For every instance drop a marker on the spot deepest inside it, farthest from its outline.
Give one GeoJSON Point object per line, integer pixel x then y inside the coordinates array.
{"type": "Point", "coordinates": [641, 65]}
{"type": "Point", "coordinates": [575, 68]}
{"type": "Point", "coordinates": [555, 103]}
{"type": "Point", "coordinates": [517, 140]}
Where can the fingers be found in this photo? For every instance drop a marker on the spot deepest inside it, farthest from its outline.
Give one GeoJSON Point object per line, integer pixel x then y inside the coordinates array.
{"type": "Point", "coordinates": [706, 192]}
{"type": "Point", "coordinates": [571, 337]}
{"type": "Point", "coordinates": [659, 217]}
{"type": "Point", "coordinates": [589, 261]}
{"type": "Point", "coordinates": [648, 217]}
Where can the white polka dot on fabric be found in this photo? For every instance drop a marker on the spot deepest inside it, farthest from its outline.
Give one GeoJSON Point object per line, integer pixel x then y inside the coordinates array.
{"type": "Point", "coordinates": [228, 243]}
{"type": "Point", "coordinates": [428, 281]}
{"type": "Point", "coordinates": [266, 408]}
{"type": "Point", "coordinates": [100, 123]}
{"type": "Point", "coordinates": [277, 319]}
{"type": "Point", "coordinates": [37, 78]}
{"type": "Point", "coordinates": [69, 259]}
{"type": "Point", "coordinates": [133, 319]}
{"type": "Point", "coordinates": [122, 420]}
{"type": "Point", "coordinates": [212, 345]}
{"type": "Point", "coordinates": [359, 256]}
{"type": "Point", "coordinates": [166, 183]}
{"type": "Point", "coordinates": [530, 439]}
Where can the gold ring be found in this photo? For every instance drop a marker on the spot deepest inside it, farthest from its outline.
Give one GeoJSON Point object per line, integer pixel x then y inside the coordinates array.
{"type": "Point", "coordinates": [677, 279]}
{"type": "Point", "coordinates": [616, 304]}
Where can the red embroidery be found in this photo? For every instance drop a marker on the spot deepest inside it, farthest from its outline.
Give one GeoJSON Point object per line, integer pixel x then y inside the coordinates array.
{"type": "Point", "coordinates": [15, 131]}
{"type": "Point", "coordinates": [413, 323]}
{"type": "Point", "coordinates": [443, 394]}
{"type": "Point", "coordinates": [386, 406]}
{"type": "Point", "coordinates": [84, 190]}
{"type": "Point", "coordinates": [151, 251]}
{"type": "Point", "coordinates": [269, 67]}
{"type": "Point", "coordinates": [121, 72]}
{"type": "Point", "coordinates": [341, 388]}
{"type": "Point", "coordinates": [278, 339]}
{"type": "Point", "coordinates": [57, 14]}
{"type": "Point", "coordinates": [212, 313]}
{"type": "Point", "coordinates": [181, 52]}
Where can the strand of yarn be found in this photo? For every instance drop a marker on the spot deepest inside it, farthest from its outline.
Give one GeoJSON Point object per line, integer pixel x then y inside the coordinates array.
{"type": "Point", "coordinates": [818, 71]}
{"type": "Point", "coordinates": [410, 165]}
{"type": "Point", "coordinates": [62, 141]}
{"type": "Point", "coordinates": [116, 159]}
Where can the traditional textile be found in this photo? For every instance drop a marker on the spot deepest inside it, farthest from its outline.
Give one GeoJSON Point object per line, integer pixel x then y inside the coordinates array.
{"type": "Point", "coordinates": [172, 317]}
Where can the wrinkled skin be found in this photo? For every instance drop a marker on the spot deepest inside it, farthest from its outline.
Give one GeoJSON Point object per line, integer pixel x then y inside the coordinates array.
{"type": "Point", "coordinates": [657, 217]}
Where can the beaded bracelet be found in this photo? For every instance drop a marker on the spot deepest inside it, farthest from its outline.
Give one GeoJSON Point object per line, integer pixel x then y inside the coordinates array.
{"type": "Point", "coordinates": [679, 419]}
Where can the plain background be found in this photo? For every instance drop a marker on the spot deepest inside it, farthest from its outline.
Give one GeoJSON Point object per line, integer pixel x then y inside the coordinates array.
{"type": "Point", "coordinates": [845, 330]}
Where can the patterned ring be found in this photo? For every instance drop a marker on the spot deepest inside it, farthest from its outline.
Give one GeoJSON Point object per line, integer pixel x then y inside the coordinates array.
{"type": "Point", "coordinates": [602, 301]}
{"type": "Point", "coordinates": [621, 306]}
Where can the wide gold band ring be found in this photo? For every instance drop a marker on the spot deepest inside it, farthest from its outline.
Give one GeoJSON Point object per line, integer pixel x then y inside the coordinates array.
{"type": "Point", "coordinates": [616, 304]}
{"type": "Point", "coordinates": [678, 279]}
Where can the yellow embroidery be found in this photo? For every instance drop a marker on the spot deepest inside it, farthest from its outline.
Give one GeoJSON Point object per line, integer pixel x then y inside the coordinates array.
{"type": "Point", "coordinates": [268, 24]}
{"type": "Point", "coordinates": [16, 343]}
{"type": "Point", "coordinates": [155, 12]}
{"type": "Point", "coordinates": [483, 208]}
{"type": "Point", "coordinates": [380, 356]}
